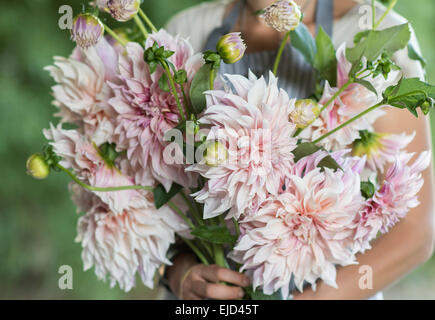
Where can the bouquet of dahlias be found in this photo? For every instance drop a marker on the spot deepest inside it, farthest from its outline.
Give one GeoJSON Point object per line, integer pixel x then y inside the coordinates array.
{"type": "Point", "coordinates": [164, 149]}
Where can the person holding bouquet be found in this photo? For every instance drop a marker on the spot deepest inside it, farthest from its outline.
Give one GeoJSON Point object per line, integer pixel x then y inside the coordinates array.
{"type": "Point", "coordinates": [393, 255]}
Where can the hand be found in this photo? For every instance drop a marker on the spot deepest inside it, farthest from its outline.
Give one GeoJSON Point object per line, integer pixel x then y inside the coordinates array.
{"type": "Point", "coordinates": [190, 280]}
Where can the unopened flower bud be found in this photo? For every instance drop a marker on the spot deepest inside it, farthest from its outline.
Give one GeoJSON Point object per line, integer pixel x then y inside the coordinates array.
{"type": "Point", "coordinates": [123, 10]}
{"type": "Point", "coordinates": [283, 15]}
{"type": "Point", "coordinates": [305, 112]}
{"type": "Point", "coordinates": [37, 167]}
{"type": "Point", "coordinates": [215, 154]}
{"type": "Point", "coordinates": [87, 30]}
{"type": "Point", "coordinates": [231, 47]}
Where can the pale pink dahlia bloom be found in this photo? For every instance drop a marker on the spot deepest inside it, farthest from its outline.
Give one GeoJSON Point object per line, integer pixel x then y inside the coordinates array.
{"type": "Point", "coordinates": [145, 112]}
{"type": "Point", "coordinates": [303, 232]}
{"type": "Point", "coordinates": [81, 93]}
{"type": "Point", "coordinates": [80, 155]}
{"type": "Point", "coordinates": [397, 195]}
{"type": "Point", "coordinates": [355, 99]}
{"type": "Point", "coordinates": [381, 148]}
{"type": "Point", "coordinates": [252, 123]}
{"type": "Point", "coordinates": [121, 245]}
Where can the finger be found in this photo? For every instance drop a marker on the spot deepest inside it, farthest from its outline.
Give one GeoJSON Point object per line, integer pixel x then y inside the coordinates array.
{"type": "Point", "coordinates": [191, 296]}
{"type": "Point", "coordinates": [215, 274]}
{"type": "Point", "coordinates": [216, 291]}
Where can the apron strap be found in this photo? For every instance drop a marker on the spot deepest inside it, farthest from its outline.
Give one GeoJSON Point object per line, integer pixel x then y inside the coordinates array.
{"type": "Point", "coordinates": [325, 15]}
{"type": "Point", "coordinates": [227, 25]}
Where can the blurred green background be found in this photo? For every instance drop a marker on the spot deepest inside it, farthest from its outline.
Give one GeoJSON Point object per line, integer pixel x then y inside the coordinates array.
{"type": "Point", "coordinates": [37, 219]}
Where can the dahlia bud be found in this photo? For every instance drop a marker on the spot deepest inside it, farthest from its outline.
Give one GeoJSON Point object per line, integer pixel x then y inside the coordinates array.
{"type": "Point", "coordinates": [231, 47]}
{"type": "Point", "coordinates": [215, 154]}
{"type": "Point", "coordinates": [123, 10]}
{"type": "Point", "coordinates": [37, 167]}
{"type": "Point", "coordinates": [87, 30]}
{"type": "Point", "coordinates": [305, 112]}
{"type": "Point", "coordinates": [283, 15]}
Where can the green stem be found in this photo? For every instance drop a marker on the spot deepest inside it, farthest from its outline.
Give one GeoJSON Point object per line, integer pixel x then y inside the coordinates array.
{"type": "Point", "coordinates": [373, 14]}
{"type": "Point", "coordinates": [98, 189]}
{"type": "Point", "coordinates": [192, 209]}
{"type": "Point", "coordinates": [181, 214]}
{"type": "Point", "coordinates": [337, 94]}
{"type": "Point", "coordinates": [115, 36]}
{"type": "Point", "coordinates": [189, 222]}
{"type": "Point", "coordinates": [211, 79]}
{"type": "Point", "coordinates": [390, 7]}
{"type": "Point", "coordinates": [196, 251]}
{"type": "Point", "coordinates": [236, 226]}
{"type": "Point", "coordinates": [280, 51]}
{"type": "Point", "coordinates": [219, 255]}
{"type": "Point", "coordinates": [173, 89]}
{"type": "Point", "coordinates": [147, 20]}
{"type": "Point", "coordinates": [141, 26]}
{"type": "Point", "coordinates": [349, 121]}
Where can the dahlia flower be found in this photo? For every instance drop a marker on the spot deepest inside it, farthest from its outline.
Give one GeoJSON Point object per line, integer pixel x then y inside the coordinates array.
{"type": "Point", "coordinates": [283, 15]}
{"type": "Point", "coordinates": [352, 101]}
{"type": "Point", "coordinates": [302, 232]}
{"type": "Point", "coordinates": [80, 155]}
{"type": "Point", "coordinates": [121, 245]}
{"type": "Point", "coordinates": [87, 30]}
{"type": "Point", "coordinates": [252, 122]}
{"type": "Point", "coordinates": [80, 92]}
{"type": "Point", "coordinates": [380, 148]}
{"type": "Point", "coordinates": [396, 196]}
{"type": "Point", "coordinates": [145, 112]}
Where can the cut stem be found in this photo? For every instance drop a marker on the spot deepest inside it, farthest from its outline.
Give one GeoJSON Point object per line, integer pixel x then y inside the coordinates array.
{"type": "Point", "coordinates": [141, 26]}
{"type": "Point", "coordinates": [115, 36]}
{"type": "Point", "coordinates": [349, 121]}
{"type": "Point", "coordinates": [280, 51]}
{"type": "Point", "coordinates": [147, 20]}
{"type": "Point", "coordinates": [390, 7]}
{"type": "Point", "coordinates": [98, 189]}
{"type": "Point", "coordinates": [174, 90]}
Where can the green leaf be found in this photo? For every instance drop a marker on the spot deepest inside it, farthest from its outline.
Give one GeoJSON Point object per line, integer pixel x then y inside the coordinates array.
{"type": "Point", "coordinates": [375, 43]}
{"type": "Point", "coordinates": [325, 60]}
{"type": "Point", "coordinates": [367, 84]}
{"type": "Point", "coordinates": [108, 152]}
{"type": "Point", "coordinates": [360, 35]}
{"type": "Point", "coordinates": [161, 197]}
{"type": "Point", "coordinates": [163, 82]}
{"type": "Point", "coordinates": [303, 150]}
{"type": "Point", "coordinates": [302, 40]}
{"type": "Point", "coordinates": [306, 149]}
{"type": "Point", "coordinates": [214, 234]}
{"type": "Point", "coordinates": [410, 93]}
{"type": "Point", "coordinates": [367, 189]}
{"type": "Point", "coordinates": [414, 55]}
{"type": "Point", "coordinates": [200, 84]}
{"type": "Point", "coordinates": [258, 294]}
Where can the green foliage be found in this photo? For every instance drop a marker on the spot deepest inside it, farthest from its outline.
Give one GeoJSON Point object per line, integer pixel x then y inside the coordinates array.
{"type": "Point", "coordinates": [302, 40]}
{"type": "Point", "coordinates": [214, 234]}
{"type": "Point", "coordinates": [411, 94]}
{"type": "Point", "coordinates": [374, 43]}
{"type": "Point", "coordinates": [414, 55]}
{"type": "Point", "coordinates": [306, 149]}
{"type": "Point", "coordinates": [367, 189]}
{"type": "Point", "coordinates": [199, 85]}
{"type": "Point", "coordinates": [161, 196]}
{"type": "Point", "coordinates": [325, 61]}
{"type": "Point", "coordinates": [258, 294]}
